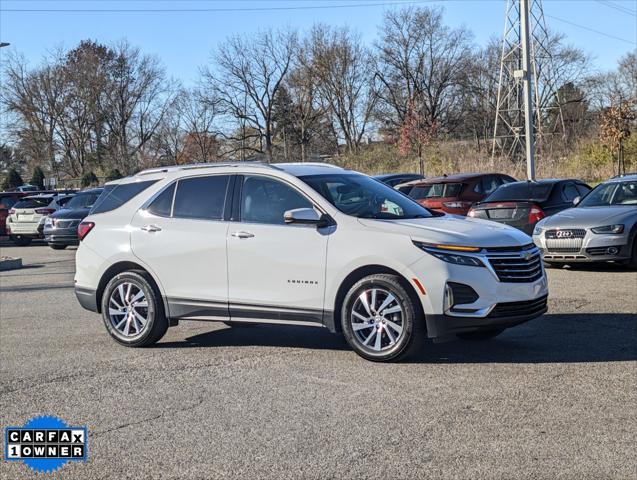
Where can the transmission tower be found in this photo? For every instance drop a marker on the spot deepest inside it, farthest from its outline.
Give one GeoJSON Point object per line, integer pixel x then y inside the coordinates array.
{"type": "Point", "coordinates": [528, 106]}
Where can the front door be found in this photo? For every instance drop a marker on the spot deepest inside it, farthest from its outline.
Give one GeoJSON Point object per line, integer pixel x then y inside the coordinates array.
{"type": "Point", "coordinates": [276, 272]}
{"type": "Point", "coordinates": [181, 237]}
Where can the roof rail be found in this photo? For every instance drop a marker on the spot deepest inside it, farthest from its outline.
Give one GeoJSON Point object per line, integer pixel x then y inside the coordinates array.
{"type": "Point", "coordinates": [307, 164]}
{"type": "Point", "coordinates": [192, 166]}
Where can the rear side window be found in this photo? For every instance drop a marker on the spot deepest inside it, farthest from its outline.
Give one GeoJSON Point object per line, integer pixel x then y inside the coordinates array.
{"type": "Point", "coordinates": [114, 196]}
{"type": "Point", "coordinates": [436, 190]}
{"type": "Point", "coordinates": [569, 192]}
{"type": "Point", "coordinates": [33, 203]}
{"type": "Point", "coordinates": [162, 205]}
{"type": "Point", "coordinates": [201, 197]}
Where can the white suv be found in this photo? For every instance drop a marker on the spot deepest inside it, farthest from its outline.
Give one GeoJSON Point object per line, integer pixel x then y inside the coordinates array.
{"type": "Point", "coordinates": [303, 244]}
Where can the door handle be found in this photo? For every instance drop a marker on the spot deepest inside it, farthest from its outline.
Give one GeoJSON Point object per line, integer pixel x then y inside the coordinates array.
{"type": "Point", "coordinates": [242, 234]}
{"type": "Point", "coordinates": [151, 228]}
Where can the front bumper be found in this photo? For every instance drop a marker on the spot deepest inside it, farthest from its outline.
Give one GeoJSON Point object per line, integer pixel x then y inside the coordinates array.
{"type": "Point", "coordinates": [594, 248]}
{"type": "Point", "coordinates": [61, 236]}
{"type": "Point", "coordinates": [503, 315]}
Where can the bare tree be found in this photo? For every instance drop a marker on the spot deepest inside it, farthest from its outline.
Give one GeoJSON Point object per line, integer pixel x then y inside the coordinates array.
{"type": "Point", "coordinates": [343, 68]}
{"type": "Point", "coordinates": [245, 79]}
{"type": "Point", "coordinates": [422, 61]}
{"type": "Point", "coordinates": [134, 104]}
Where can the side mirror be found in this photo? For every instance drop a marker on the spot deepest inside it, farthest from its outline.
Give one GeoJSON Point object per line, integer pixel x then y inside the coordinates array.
{"type": "Point", "coordinates": [576, 200]}
{"type": "Point", "coordinates": [305, 216]}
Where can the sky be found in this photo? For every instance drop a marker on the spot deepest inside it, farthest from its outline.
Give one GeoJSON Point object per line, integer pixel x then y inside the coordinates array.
{"type": "Point", "coordinates": [184, 40]}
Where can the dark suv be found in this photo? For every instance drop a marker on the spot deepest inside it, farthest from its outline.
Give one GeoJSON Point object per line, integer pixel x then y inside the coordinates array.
{"type": "Point", "coordinates": [456, 193]}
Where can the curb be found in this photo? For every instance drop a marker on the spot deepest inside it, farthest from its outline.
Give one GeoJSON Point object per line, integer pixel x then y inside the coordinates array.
{"type": "Point", "coordinates": [10, 264]}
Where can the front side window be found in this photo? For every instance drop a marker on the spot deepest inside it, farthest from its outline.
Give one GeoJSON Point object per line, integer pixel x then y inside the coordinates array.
{"type": "Point", "coordinates": [265, 200]}
{"type": "Point", "coordinates": [364, 197]}
{"type": "Point", "coordinates": [201, 198]}
{"type": "Point", "coordinates": [114, 196]}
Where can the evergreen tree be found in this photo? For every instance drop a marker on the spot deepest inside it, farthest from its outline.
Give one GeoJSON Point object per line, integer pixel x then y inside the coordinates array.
{"type": "Point", "coordinates": [37, 178]}
{"type": "Point", "coordinates": [13, 180]}
{"type": "Point", "coordinates": [88, 179]}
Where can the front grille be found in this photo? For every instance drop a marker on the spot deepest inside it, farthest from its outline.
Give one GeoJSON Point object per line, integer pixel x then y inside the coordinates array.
{"type": "Point", "coordinates": [564, 241]}
{"type": "Point", "coordinates": [514, 309]}
{"type": "Point", "coordinates": [67, 223]}
{"type": "Point", "coordinates": [517, 266]}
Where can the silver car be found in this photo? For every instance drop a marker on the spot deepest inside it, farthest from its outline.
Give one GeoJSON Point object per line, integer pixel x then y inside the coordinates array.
{"type": "Point", "coordinates": [602, 227]}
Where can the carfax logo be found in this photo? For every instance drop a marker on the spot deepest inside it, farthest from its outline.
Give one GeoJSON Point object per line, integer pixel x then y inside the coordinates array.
{"type": "Point", "coordinates": [45, 443]}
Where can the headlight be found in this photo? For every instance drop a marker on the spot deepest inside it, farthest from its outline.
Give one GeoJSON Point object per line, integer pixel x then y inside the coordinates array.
{"type": "Point", "coordinates": [48, 222]}
{"type": "Point", "coordinates": [537, 230]}
{"type": "Point", "coordinates": [450, 257]}
{"type": "Point", "coordinates": [609, 229]}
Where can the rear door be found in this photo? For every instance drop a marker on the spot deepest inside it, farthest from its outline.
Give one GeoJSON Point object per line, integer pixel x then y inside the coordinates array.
{"type": "Point", "coordinates": [181, 236]}
{"type": "Point", "coordinates": [276, 271]}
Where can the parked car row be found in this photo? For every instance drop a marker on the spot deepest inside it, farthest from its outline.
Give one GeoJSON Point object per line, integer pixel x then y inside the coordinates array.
{"type": "Point", "coordinates": [570, 222]}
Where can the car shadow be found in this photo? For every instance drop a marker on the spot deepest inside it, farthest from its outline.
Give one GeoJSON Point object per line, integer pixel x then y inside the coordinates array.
{"type": "Point", "coordinates": [554, 338]}
{"type": "Point", "coordinates": [608, 267]}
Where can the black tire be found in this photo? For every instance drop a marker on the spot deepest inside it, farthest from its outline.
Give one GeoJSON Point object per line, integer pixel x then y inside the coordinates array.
{"type": "Point", "coordinates": [240, 324]}
{"type": "Point", "coordinates": [57, 247]}
{"type": "Point", "coordinates": [632, 263]}
{"type": "Point", "coordinates": [156, 321]}
{"type": "Point", "coordinates": [481, 335]}
{"type": "Point", "coordinates": [406, 343]}
{"type": "Point", "coordinates": [21, 241]}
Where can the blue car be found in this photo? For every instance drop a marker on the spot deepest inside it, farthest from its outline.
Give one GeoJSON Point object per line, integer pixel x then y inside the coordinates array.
{"type": "Point", "coordinates": [60, 228]}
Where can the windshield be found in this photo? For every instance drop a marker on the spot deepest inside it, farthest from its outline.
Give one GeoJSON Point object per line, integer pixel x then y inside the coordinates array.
{"type": "Point", "coordinates": [537, 192]}
{"type": "Point", "coordinates": [607, 194]}
{"type": "Point", "coordinates": [363, 197]}
{"type": "Point", "coordinates": [83, 200]}
{"type": "Point", "coordinates": [436, 190]}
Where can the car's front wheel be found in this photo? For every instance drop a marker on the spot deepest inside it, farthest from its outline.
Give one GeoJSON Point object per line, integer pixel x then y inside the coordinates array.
{"type": "Point", "coordinates": [381, 319]}
{"type": "Point", "coordinates": [132, 310]}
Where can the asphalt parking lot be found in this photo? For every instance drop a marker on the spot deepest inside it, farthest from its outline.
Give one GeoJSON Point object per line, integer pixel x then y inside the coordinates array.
{"type": "Point", "coordinates": [554, 398]}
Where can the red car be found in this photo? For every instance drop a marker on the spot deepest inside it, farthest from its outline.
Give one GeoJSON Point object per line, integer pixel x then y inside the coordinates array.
{"type": "Point", "coordinates": [7, 200]}
{"type": "Point", "coordinates": [456, 193]}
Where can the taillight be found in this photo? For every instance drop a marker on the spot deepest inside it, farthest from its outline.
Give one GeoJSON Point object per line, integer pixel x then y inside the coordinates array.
{"type": "Point", "coordinates": [536, 214]}
{"type": "Point", "coordinates": [83, 229]}
{"type": "Point", "coordinates": [44, 211]}
{"type": "Point", "coordinates": [471, 213]}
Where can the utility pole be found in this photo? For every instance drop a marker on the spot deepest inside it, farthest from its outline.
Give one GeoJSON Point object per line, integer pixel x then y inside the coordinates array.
{"type": "Point", "coordinates": [528, 100]}
{"type": "Point", "coordinates": [529, 133]}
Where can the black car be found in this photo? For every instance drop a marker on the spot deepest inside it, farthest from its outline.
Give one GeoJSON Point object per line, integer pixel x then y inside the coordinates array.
{"type": "Point", "coordinates": [393, 179]}
{"type": "Point", "coordinates": [523, 204]}
{"type": "Point", "coordinates": [60, 228]}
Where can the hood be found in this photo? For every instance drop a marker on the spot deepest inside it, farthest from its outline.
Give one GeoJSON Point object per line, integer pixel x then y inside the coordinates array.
{"type": "Point", "coordinates": [587, 217]}
{"type": "Point", "coordinates": [453, 230]}
{"type": "Point", "coordinates": [75, 213]}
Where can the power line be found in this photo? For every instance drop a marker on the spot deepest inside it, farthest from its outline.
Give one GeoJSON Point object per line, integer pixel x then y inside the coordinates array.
{"type": "Point", "coordinates": [599, 32]}
{"type": "Point", "coordinates": [213, 9]}
{"type": "Point", "coordinates": [619, 8]}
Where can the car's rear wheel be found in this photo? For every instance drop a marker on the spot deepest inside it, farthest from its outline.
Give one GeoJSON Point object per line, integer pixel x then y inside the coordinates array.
{"type": "Point", "coordinates": [481, 335]}
{"type": "Point", "coordinates": [57, 247]}
{"type": "Point", "coordinates": [132, 310]}
{"type": "Point", "coordinates": [20, 241]}
{"type": "Point", "coordinates": [381, 319]}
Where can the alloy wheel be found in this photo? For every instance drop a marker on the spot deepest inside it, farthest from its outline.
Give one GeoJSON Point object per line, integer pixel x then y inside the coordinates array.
{"type": "Point", "coordinates": [377, 319]}
{"type": "Point", "coordinates": [128, 309]}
